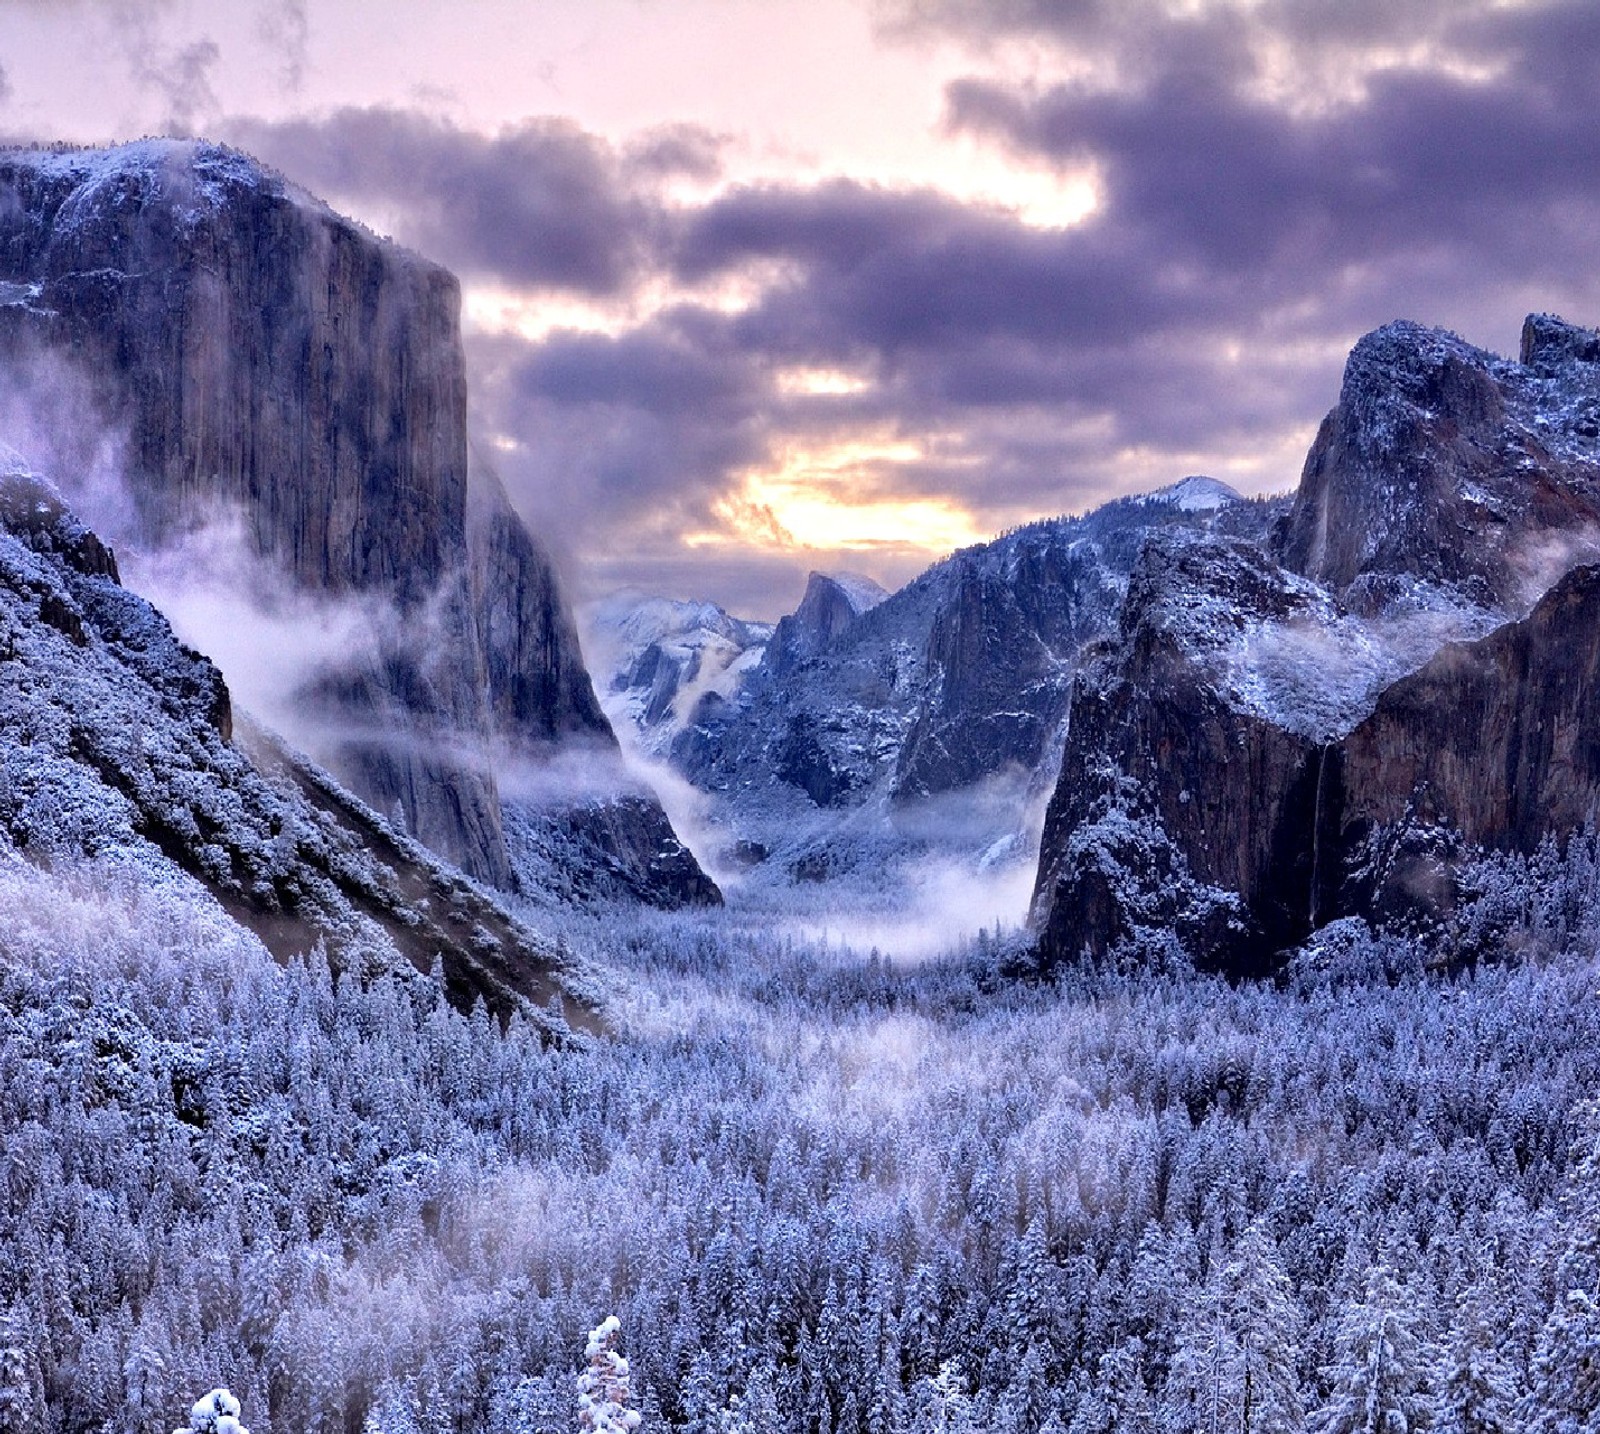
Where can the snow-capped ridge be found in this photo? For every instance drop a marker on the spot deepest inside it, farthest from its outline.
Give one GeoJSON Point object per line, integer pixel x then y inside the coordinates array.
{"type": "Point", "coordinates": [1195, 494]}
{"type": "Point", "coordinates": [1326, 723]}
{"type": "Point", "coordinates": [861, 592]}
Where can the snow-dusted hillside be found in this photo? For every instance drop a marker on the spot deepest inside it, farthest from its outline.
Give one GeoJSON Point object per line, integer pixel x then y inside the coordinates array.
{"type": "Point", "coordinates": [1283, 735]}
{"type": "Point", "coordinates": [118, 748]}
{"type": "Point", "coordinates": [658, 658]}
{"type": "Point", "coordinates": [281, 401]}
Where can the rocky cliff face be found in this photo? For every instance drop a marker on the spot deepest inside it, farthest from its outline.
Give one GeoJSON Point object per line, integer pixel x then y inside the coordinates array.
{"type": "Point", "coordinates": [831, 604]}
{"type": "Point", "coordinates": [1265, 747]}
{"type": "Point", "coordinates": [118, 746]}
{"type": "Point", "coordinates": [1447, 465]}
{"type": "Point", "coordinates": [266, 357]}
{"type": "Point", "coordinates": [1493, 744]}
{"type": "Point", "coordinates": [666, 657]}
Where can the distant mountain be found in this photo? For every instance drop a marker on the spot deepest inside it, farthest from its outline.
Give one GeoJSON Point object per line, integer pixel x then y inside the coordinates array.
{"type": "Point", "coordinates": [265, 360]}
{"type": "Point", "coordinates": [1280, 734]}
{"type": "Point", "coordinates": [823, 755]}
{"type": "Point", "coordinates": [658, 658]}
{"type": "Point", "coordinates": [118, 744]}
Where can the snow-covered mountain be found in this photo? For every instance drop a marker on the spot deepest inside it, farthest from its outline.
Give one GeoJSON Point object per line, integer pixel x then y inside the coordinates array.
{"type": "Point", "coordinates": [658, 658]}
{"type": "Point", "coordinates": [874, 726]}
{"type": "Point", "coordinates": [119, 748]}
{"type": "Point", "coordinates": [263, 368]}
{"type": "Point", "coordinates": [1282, 734]}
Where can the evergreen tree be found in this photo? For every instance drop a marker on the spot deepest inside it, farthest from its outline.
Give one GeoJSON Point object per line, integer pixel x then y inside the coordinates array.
{"type": "Point", "coordinates": [217, 1413]}
{"type": "Point", "coordinates": [1235, 1364]}
{"type": "Point", "coordinates": [1380, 1370]}
{"type": "Point", "coordinates": [1564, 1388]}
{"type": "Point", "coordinates": [21, 1395]}
{"type": "Point", "coordinates": [1119, 1401]}
{"type": "Point", "coordinates": [1473, 1389]}
{"type": "Point", "coordinates": [603, 1395]}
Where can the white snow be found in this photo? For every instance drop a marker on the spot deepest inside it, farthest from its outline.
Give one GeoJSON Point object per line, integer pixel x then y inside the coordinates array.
{"type": "Point", "coordinates": [860, 591]}
{"type": "Point", "coordinates": [1196, 494]}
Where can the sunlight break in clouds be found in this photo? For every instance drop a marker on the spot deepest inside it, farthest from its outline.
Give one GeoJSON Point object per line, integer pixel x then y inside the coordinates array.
{"type": "Point", "coordinates": [823, 497]}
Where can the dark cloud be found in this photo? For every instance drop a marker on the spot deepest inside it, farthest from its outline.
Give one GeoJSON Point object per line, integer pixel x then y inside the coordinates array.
{"type": "Point", "coordinates": [178, 75]}
{"type": "Point", "coordinates": [1198, 320]}
{"type": "Point", "coordinates": [542, 204]}
{"type": "Point", "coordinates": [641, 430]}
{"type": "Point", "coordinates": [5, 85]}
{"type": "Point", "coordinates": [183, 79]}
{"type": "Point", "coordinates": [675, 151]}
{"type": "Point", "coordinates": [1204, 174]}
{"type": "Point", "coordinates": [1139, 34]}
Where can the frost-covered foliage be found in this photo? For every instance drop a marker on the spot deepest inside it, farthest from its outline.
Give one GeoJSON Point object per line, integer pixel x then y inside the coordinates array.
{"type": "Point", "coordinates": [819, 1193]}
{"type": "Point", "coordinates": [217, 1413]}
{"type": "Point", "coordinates": [116, 744]}
{"type": "Point", "coordinates": [603, 1392]}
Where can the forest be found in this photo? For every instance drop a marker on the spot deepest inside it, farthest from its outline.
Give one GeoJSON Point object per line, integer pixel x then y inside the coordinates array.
{"type": "Point", "coordinates": [820, 1191]}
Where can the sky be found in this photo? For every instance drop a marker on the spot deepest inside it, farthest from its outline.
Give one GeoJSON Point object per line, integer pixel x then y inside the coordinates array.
{"type": "Point", "coordinates": [755, 287]}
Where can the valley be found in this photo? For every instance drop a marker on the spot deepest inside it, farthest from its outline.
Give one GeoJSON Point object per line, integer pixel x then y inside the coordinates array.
{"type": "Point", "coordinates": [1138, 974]}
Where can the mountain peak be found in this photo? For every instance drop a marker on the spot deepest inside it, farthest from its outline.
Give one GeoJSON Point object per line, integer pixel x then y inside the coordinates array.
{"type": "Point", "coordinates": [857, 589]}
{"type": "Point", "coordinates": [1447, 465]}
{"type": "Point", "coordinates": [1550, 343]}
{"type": "Point", "coordinates": [1194, 494]}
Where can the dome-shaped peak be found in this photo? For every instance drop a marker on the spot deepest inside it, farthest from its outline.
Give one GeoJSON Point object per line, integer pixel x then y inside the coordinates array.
{"type": "Point", "coordinates": [1195, 494]}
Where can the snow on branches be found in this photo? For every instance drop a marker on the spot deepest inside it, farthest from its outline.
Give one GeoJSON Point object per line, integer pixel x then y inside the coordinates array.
{"type": "Point", "coordinates": [217, 1413]}
{"type": "Point", "coordinates": [603, 1386]}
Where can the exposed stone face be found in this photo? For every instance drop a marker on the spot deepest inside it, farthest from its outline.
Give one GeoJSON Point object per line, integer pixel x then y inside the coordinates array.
{"type": "Point", "coordinates": [830, 605]}
{"type": "Point", "coordinates": [1256, 754]}
{"type": "Point", "coordinates": [954, 687]}
{"type": "Point", "coordinates": [1173, 795]}
{"type": "Point", "coordinates": [620, 849]}
{"type": "Point", "coordinates": [1445, 464]}
{"type": "Point", "coordinates": [539, 690]}
{"type": "Point", "coordinates": [998, 657]}
{"type": "Point", "coordinates": [262, 351]}
{"type": "Point", "coordinates": [266, 357]}
{"type": "Point", "coordinates": [1494, 743]}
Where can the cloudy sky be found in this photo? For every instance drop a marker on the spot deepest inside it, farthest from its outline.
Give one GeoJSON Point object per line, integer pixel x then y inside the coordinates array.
{"type": "Point", "coordinates": [757, 286]}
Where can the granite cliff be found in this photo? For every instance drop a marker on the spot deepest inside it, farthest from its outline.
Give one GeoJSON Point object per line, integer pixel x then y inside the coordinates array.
{"type": "Point", "coordinates": [265, 358]}
{"type": "Point", "coordinates": [1323, 725]}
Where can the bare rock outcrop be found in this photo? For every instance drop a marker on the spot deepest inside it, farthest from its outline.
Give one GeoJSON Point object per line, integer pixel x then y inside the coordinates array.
{"type": "Point", "coordinates": [1266, 746]}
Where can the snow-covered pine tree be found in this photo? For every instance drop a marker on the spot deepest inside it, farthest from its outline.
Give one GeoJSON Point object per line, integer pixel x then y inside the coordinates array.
{"type": "Point", "coordinates": [1381, 1366]}
{"type": "Point", "coordinates": [217, 1413]}
{"type": "Point", "coordinates": [603, 1392]}
{"type": "Point", "coordinates": [1564, 1392]}
{"type": "Point", "coordinates": [1118, 1401]}
{"type": "Point", "coordinates": [1234, 1367]}
{"type": "Point", "coordinates": [1473, 1390]}
{"type": "Point", "coordinates": [21, 1401]}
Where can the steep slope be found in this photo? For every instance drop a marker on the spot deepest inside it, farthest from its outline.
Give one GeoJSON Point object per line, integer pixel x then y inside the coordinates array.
{"type": "Point", "coordinates": [1264, 748]}
{"type": "Point", "coordinates": [117, 744]}
{"type": "Point", "coordinates": [956, 683]}
{"type": "Point", "coordinates": [1447, 465]}
{"type": "Point", "coordinates": [263, 357]}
